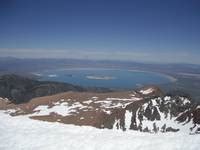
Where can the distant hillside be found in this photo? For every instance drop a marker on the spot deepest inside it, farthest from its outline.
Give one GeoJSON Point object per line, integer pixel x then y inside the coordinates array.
{"type": "Point", "coordinates": [20, 89]}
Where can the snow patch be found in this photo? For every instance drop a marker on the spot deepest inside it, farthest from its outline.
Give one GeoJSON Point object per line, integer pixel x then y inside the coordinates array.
{"type": "Point", "coordinates": [10, 111]}
{"type": "Point", "coordinates": [167, 98]}
{"type": "Point", "coordinates": [61, 108]}
{"type": "Point", "coordinates": [146, 92]}
{"type": "Point", "coordinates": [88, 102]}
{"type": "Point", "coordinates": [185, 100]}
{"type": "Point", "coordinates": [128, 117]}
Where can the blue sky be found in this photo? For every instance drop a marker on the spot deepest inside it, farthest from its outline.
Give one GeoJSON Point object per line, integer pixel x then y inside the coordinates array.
{"type": "Point", "coordinates": [137, 30]}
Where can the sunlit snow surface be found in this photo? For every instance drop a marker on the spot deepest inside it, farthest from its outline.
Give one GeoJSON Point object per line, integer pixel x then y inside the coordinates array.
{"type": "Point", "coordinates": [147, 91]}
{"type": "Point", "coordinates": [22, 133]}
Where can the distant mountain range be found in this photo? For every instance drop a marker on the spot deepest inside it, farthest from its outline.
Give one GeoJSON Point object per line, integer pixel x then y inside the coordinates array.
{"type": "Point", "coordinates": [16, 65]}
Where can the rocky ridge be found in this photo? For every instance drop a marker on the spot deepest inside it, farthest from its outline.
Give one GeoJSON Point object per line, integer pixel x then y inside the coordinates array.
{"type": "Point", "coordinates": [146, 110]}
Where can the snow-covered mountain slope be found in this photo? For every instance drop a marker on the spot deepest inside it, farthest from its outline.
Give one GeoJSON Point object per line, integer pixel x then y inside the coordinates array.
{"type": "Point", "coordinates": [163, 114]}
{"type": "Point", "coordinates": [23, 133]}
{"type": "Point", "coordinates": [145, 110]}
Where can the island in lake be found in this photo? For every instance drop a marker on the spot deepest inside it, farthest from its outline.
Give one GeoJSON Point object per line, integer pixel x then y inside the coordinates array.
{"type": "Point", "coordinates": [100, 77]}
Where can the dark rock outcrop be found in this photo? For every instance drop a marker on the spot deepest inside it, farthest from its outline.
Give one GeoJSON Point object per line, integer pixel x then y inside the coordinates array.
{"type": "Point", "coordinates": [163, 114]}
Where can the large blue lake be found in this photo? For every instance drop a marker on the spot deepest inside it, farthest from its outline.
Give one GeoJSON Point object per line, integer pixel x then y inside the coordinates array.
{"type": "Point", "coordinates": [110, 78]}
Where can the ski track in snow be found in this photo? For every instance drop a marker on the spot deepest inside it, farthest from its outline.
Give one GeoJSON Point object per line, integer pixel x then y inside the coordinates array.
{"type": "Point", "coordinates": [22, 133]}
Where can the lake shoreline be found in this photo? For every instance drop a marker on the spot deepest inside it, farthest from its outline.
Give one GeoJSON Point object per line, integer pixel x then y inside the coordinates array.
{"type": "Point", "coordinates": [105, 77]}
